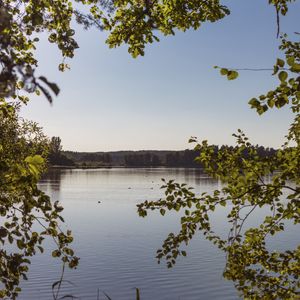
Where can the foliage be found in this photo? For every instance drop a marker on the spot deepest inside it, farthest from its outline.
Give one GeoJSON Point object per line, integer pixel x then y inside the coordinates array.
{"type": "Point", "coordinates": [131, 22]}
{"type": "Point", "coordinates": [138, 160]}
{"type": "Point", "coordinates": [56, 157]}
{"type": "Point", "coordinates": [257, 271]}
{"type": "Point", "coordinates": [23, 149]}
{"type": "Point", "coordinates": [22, 22]}
{"type": "Point", "coordinates": [135, 22]}
{"type": "Point", "coordinates": [146, 158]}
{"type": "Point", "coordinates": [55, 145]}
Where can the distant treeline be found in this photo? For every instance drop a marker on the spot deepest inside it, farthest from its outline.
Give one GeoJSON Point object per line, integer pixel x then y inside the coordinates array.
{"type": "Point", "coordinates": [56, 156]}
{"type": "Point", "coordinates": [144, 158]}
{"type": "Point", "coordinates": [171, 159]}
{"type": "Point", "coordinates": [89, 159]}
{"type": "Point", "coordinates": [151, 158]}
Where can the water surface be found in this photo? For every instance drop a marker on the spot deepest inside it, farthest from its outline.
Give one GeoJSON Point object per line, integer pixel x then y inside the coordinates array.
{"type": "Point", "coordinates": [117, 248]}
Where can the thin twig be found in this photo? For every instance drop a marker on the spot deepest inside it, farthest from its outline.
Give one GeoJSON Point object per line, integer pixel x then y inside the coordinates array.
{"type": "Point", "coordinates": [278, 21]}
{"type": "Point", "coordinates": [60, 282]}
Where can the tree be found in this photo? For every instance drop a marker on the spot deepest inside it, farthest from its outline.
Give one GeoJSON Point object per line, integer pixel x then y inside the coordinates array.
{"type": "Point", "coordinates": [23, 149]}
{"type": "Point", "coordinates": [55, 145]}
{"type": "Point", "coordinates": [55, 156]}
{"type": "Point", "coordinates": [21, 23]}
{"type": "Point", "coordinates": [257, 272]}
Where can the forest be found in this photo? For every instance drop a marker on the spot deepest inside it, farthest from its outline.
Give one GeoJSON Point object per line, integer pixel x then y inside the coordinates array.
{"type": "Point", "coordinates": [253, 178]}
{"type": "Point", "coordinates": [143, 158]}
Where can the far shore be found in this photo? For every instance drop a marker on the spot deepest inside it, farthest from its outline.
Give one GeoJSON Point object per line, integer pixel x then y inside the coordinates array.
{"type": "Point", "coordinates": [118, 167]}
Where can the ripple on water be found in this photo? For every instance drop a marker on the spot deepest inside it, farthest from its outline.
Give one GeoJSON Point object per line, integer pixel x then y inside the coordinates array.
{"type": "Point", "coordinates": [117, 248]}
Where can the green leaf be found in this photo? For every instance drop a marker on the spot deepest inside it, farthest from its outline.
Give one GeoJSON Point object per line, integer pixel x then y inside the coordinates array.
{"type": "Point", "coordinates": [254, 103]}
{"type": "Point", "coordinates": [35, 164]}
{"type": "Point", "coordinates": [295, 68]}
{"type": "Point", "coordinates": [290, 60]}
{"type": "Point", "coordinates": [56, 253]}
{"type": "Point", "coordinates": [280, 62]}
{"type": "Point", "coordinates": [3, 232]}
{"type": "Point", "coordinates": [283, 76]}
{"type": "Point", "coordinates": [20, 244]}
{"type": "Point", "coordinates": [271, 102]}
{"type": "Point", "coordinates": [232, 75]}
{"type": "Point", "coordinates": [162, 211]}
{"type": "Point", "coordinates": [34, 160]}
{"type": "Point", "coordinates": [224, 71]}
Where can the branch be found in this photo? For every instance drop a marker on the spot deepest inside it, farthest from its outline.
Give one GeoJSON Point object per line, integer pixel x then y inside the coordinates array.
{"type": "Point", "coordinates": [55, 295]}
{"type": "Point", "coordinates": [246, 217]}
{"type": "Point", "coordinates": [277, 21]}
{"type": "Point", "coordinates": [256, 69]}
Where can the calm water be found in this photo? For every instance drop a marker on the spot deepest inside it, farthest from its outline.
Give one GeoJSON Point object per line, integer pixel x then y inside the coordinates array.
{"type": "Point", "coordinates": [117, 248]}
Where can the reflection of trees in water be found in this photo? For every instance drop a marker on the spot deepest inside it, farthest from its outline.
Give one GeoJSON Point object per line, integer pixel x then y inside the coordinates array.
{"type": "Point", "coordinates": [52, 180]}
{"type": "Point", "coordinates": [198, 177]}
{"type": "Point", "coordinates": [201, 178]}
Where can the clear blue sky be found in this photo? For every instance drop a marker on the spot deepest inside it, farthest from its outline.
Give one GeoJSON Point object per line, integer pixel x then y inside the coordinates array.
{"type": "Point", "coordinates": [110, 101]}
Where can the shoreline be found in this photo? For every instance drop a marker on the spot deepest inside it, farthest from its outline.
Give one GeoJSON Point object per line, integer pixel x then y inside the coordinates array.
{"type": "Point", "coordinates": [121, 167]}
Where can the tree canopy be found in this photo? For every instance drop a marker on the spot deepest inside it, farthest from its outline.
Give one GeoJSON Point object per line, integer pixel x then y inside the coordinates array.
{"type": "Point", "coordinates": [23, 149]}
{"type": "Point", "coordinates": [258, 273]}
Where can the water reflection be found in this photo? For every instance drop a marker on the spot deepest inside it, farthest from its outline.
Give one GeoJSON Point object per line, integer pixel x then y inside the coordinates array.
{"type": "Point", "coordinates": [195, 177]}
{"type": "Point", "coordinates": [117, 248]}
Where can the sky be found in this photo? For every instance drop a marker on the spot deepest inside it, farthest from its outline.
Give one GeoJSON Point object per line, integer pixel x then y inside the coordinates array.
{"type": "Point", "coordinates": [110, 101]}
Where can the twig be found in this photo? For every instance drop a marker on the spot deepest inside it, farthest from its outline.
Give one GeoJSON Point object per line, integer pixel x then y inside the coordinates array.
{"type": "Point", "coordinates": [59, 283]}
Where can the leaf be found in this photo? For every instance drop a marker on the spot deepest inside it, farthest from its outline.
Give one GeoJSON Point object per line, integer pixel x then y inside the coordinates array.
{"type": "Point", "coordinates": [20, 244]}
{"type": "Point", "coordinates": [3, 232]}
{"type": "Point", "coordinates": [282, 76]}
{"type": "Point", "coordinates": [56, 253]}
{"type": "Point", "coordinates": [280, 62]}
{"type": "Point", "coordinates": [35, 164]}
{"type": "Point", "coordinates": [192, 140]}
{"type": "Point", "coordinates": [290, 60]}
{"type": "Point", "coordinates": [295, 68]}
{"type": "Point", "coordinates": [34, 160]}
{"type": "Point", "coordinates": [271, 102]}
{"type": "Point", "coordinates": [162, 211]}
{"type": "Point", "coordinates": [254, 103]}
{"type": "Point", "coordinates": [46, 93]}
{"type": "Point", "coordinates": [223, 203]}
{"type": "Point", "coordinates": [51, 85]}
{"type": "Point", "coordinates": [41, 249]}
{"type": "Point", "coordinates": [232, 75]}
{"type": "Point", "coordinates": [69, 251]}
{"type": "Point", "coordinates": [223, 71]}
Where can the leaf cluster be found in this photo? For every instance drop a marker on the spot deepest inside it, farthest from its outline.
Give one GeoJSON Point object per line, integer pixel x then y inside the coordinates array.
{"type": "Point", "coordinates": [250, 182]}
{"type": "Point", "coordinates": [23, 149]}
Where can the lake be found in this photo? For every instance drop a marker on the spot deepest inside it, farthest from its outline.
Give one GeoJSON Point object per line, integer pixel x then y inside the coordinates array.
{"type": "Point", "coordinates": [117, 247]}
